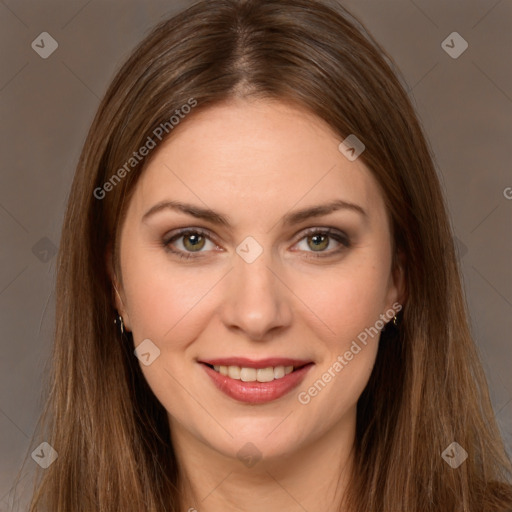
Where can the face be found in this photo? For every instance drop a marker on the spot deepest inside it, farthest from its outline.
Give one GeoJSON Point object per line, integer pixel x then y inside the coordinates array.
{"type": "Point", "coordinates": [254, 288]}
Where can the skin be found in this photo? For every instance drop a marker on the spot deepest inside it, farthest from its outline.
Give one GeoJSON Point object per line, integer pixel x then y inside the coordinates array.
{"type": "Point", "coordinates": [255, 161]}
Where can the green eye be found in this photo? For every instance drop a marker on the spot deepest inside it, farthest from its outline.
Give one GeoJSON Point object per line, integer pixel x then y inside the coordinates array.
{"type": "Point", "coordinates": [193, 240]}
{"type": "Point", "coordinates": [320, 239]}
{"type": "Point", "coordinates": [317, 239]}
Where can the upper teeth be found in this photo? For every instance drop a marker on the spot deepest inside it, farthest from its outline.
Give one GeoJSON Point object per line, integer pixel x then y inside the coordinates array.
{"type": "Point", "coordinates": [254, 374]}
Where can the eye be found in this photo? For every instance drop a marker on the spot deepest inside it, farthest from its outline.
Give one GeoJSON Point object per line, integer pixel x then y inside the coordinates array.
{"type": "Point", "coordinates": [319, 239]}
{"type": "Point", "coordinates": [195, 239]}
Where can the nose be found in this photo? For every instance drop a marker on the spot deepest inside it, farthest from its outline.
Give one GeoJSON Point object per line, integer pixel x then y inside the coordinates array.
{"type": "Point", "coordinates": [258, 300]}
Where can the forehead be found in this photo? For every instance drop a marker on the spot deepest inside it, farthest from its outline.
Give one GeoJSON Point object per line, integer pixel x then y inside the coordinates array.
{"type": "Point", "coordinates": [255, 157]}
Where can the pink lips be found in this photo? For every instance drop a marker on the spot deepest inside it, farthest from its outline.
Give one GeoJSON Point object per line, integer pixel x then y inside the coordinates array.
{"type": "Point", "coordinates": [257, 392]}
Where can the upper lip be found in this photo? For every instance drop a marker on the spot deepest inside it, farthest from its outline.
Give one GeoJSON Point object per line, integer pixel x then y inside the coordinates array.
{"type": "Point", "coordinates": [260, 363]}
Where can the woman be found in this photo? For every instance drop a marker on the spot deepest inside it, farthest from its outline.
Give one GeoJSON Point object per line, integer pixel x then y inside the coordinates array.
{"type": "Point", "coordinates": [257, 208]}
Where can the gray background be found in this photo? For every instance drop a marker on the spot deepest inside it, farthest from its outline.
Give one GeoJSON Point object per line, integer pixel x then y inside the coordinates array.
{"type": "Point", "coordinates": [46, 106]}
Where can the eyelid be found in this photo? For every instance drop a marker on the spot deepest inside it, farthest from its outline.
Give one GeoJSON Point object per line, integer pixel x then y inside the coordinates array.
{"type": "Point", "coordinates": [334, 233]}
{"type": "Point", "coordinates": [325, 231]}
{"type": "Point", "coordinates": [177, 234]}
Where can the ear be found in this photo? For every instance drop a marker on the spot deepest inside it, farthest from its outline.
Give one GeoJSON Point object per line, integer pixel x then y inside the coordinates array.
{"type": "Point", "coordinates": [118, 296]}
{"type": "Point", "coordinates": [397, 288]}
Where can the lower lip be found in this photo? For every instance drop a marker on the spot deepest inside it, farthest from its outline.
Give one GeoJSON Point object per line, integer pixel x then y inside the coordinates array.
{"type": "Point", "coordinates": [257, 392]}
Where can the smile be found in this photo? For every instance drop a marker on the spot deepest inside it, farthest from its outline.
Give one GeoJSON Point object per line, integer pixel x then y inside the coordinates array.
{"type": "Point", "coordinates": [256, 382]}
{"type": "Point", "coordinates": [252, 374]}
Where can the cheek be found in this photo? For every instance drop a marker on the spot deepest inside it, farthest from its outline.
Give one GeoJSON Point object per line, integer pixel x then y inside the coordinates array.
{"type": "Point", "coordinates": [345, 299]}
{"type": "Point", "coordinates": [338, 302]}
{"type": "Point", "coordinates": [349, 309]}
{"type": "Point", "coordinates": [166, 305]}
{"type": "Point", "coordinates": [348, 302]}
{"type": "Point", "coordinates": [161, 295]}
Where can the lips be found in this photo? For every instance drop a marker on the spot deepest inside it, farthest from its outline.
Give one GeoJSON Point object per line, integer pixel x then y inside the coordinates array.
{"type": "Point", "coordinates": [256, 381]}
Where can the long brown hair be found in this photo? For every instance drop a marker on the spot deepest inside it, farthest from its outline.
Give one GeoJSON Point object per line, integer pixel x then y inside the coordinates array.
{"type": "Point", "coordinates": [427, 389]}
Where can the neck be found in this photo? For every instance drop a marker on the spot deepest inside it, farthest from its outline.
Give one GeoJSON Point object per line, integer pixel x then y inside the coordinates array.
{"type": "Point", "coordinates": [313, 477]}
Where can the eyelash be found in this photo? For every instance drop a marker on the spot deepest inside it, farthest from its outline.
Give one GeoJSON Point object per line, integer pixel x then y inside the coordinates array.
{"type": "Point", "coordinates": [336, 235]}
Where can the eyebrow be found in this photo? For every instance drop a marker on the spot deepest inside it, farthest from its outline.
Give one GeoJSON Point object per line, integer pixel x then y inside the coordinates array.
{"type": "Point", "coordinates": [222, 220]}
